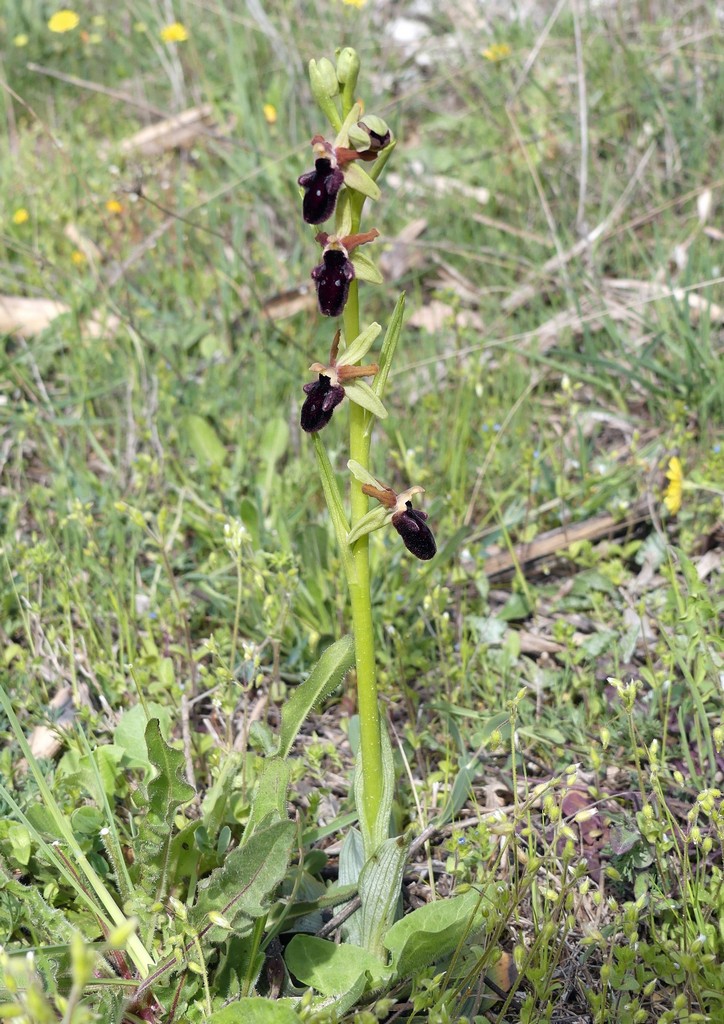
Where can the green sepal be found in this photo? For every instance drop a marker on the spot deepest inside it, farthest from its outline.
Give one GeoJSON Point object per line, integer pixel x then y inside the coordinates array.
{"type": "Point", "coordinates": [361, 393]}
{"type": "Point", "coordinates": [365, 269]}
{"type": "Point", "coordinates": [373, 520]}
{"type": "Point", "coordinates": [343, 134]}
{"type": "Point", "coordinates": [359, 180]}
{"type": "Point", "coordinates": [360, 346]}
{"type": "Point", "coordinates": [363, 475]}
{"type": "Point", "coordinates": [387, 352]}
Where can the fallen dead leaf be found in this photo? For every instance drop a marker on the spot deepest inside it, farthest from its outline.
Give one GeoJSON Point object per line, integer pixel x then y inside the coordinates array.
{"type": "Point", "coordinates": [176, 132]}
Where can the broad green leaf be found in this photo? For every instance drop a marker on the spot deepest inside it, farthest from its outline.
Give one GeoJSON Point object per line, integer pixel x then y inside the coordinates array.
{"type": "Point", "coordinates": [433, 932]}
{"type": "Point", "coordinates": [241, 889]}
{"type": "Point", "coordinates": [351, 862]}
{"type": "Point", "coordinates": [256, 1011]}
{"type": "Point", "coordinates": [360, 392]}
{"type": "Point", "coordinates": [130, 733]}
{"type": "Point", "coordinates": [323, 680]}
{"type": "Point", "coordinates": [334, 504]}
{"type": "Point", "coordinates": [331, 969]}
{"type": "Point", "coordinates": [365, 268]}
{"type": "Point", "coordinates": [375, 519]}
{"type": "Point", "coordinates": [392, 336]}
{"type": "Point", "coordinates": [380, 884]}
{"type": "Point", "coordinates": [166, 793]}
{"type": "Point", "coordinates": [203, 440]}
{"type": "Point", "coordinates": [359, 180]}
{"type": "Point", "coordinates": [270, 796]}
{"type": "Point", "coordinates": [359, 346]}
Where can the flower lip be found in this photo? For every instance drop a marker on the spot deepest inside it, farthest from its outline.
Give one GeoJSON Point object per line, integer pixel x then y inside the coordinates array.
{"type": "Point", "coordinates": [321, 187]}
{"type": "Point", "coordinates": [416, 534]}
{"type": "Point", "coordinates": [322, 399]}
{"type": "Point", "coordinates": [332, 277]}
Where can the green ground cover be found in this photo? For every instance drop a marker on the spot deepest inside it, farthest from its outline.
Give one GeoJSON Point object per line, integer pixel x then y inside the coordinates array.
{"type": "Point", "coordinates": [552, 680]}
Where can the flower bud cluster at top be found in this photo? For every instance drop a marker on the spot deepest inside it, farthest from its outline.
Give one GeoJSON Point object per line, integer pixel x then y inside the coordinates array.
{"type": "Point", "coordinates": [337, 186]}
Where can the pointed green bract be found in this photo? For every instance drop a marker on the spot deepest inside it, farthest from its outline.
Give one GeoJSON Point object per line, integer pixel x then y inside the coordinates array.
{"type": "Point", "coordinates": [359, 180]}
{"type": "Point", "coordinates": [392, 336]}
{"type": "Point", "coordinates": [374, 520]}
{"type": "Point", "coordinates": [365, 268]}
{"type": "Point", "coordinates": [360, 392]}
{"type": "Point", "coordinates": [323, 680]}
{"type": "Point", "coordinates": [360, 346]}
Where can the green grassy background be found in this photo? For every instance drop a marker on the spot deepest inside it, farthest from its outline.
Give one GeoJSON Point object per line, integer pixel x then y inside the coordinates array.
{"type": "Point", "coordinates": [126, 451]}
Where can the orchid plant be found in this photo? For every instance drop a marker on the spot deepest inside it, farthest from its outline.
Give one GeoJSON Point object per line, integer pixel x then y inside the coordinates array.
{"type": "Point", "coordinates": [338, 187]}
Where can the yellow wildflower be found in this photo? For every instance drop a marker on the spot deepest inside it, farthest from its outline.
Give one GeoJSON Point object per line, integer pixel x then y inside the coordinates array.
{"type": "Point", "coordinates": [21, 40]}
{"type": "Point", "coordinates": [63, 21]}
{"type": "Point", "coordinates": [78, 258]}
{"type": "Point", "coordinates": [496, 52]}
{"type": "Point", "coordinates": [174, 33]}
{"type": "Point", "coordinates": [270, 113]}
{"type": "Point", "coordinates": [21, 215]}
{"type": "Point", "coordinates": [354, 3]}
{"type": "Point", "coordinates": [113, 206]}
{"type": "Point", "coordinates": [675, 486]}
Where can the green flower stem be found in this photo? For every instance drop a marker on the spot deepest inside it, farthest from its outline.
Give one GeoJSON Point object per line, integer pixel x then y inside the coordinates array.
{"type": "Point", "coordinates": [360, 597]}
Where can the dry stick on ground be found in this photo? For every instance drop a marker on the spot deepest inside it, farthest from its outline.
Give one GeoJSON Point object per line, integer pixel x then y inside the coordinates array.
{"type": "Point", "coordinates": [561, 538]}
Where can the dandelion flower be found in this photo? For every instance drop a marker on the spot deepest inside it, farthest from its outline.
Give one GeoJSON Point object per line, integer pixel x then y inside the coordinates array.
{"type": "Point", "coordinates": [270, 113]}
{"type": "Point", "coordinates": [113, 206]}
{"type": "Point", "coordinates": [174, 33]}
{"type": "Point", "coordinates": [496, 52]}
{"type": "Point", "coordinates": [354, 3]}
{"type": "Point", "coordinates": [21, 40]}
{"type": "Point", "coordinates": [78, 258]}
{"type": "Point", "coordinates": [20, 216]}
{"type": "Point", "coordinates": [675, 486]}
{"type": "Point", "coordinates": [63, 21]}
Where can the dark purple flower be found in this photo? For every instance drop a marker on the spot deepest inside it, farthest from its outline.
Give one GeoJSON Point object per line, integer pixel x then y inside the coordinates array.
{"type": "Point", "coordinates": [332, 277]}
{"type": "Point", "coordinates": [322, 399]}
{"type": "Point", "coordinates": [320, 191]}
{"type": "Point", "coordinates": [416, 534]}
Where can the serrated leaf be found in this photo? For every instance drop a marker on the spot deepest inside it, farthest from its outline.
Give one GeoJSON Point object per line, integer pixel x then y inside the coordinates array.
{"type": "Point", "coordinates": [433, 932]}
{"type": "Point", "coordinates": [365, 268]}
{"type": "Point", "coordinates": [242, 887]}
{"type": "Point", "coordinates": [166, 793]}
{"type": "Point", "coordinates": [331, 969]}
{"type": "Point", "coordinates": [359, 346]}
{"type": "Point", "coordinates": [392, 337]}
{"type": "Point", "coordinates": [360, 392]}
{"type": "Point", "coordinates": [270, 797]}
{"type": "Point", "coordinates": [359, 180]}
{"type": "Point", "coordinates": [373, 520]}
{"type": "Point", "coordinates": [323, 680]}
{"type": "Point", "coordinates": [203, 440]}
